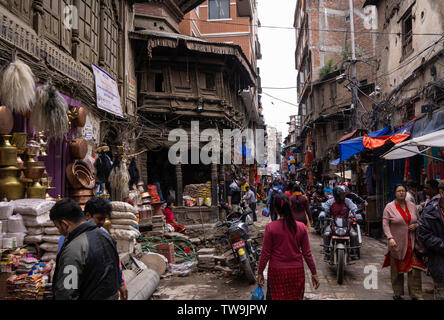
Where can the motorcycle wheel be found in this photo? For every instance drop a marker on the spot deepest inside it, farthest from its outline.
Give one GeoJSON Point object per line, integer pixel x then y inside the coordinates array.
{"type": "Point", "coordinates": [341, 262]}
{"type": "Point", "coordinates": [248, 271]}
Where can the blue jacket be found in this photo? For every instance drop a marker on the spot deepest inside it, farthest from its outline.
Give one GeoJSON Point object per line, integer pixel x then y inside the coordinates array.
{"type": "Point", "coordinates": [431, 233]}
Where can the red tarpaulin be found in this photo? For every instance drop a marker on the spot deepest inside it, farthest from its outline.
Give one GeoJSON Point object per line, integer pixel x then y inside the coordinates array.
{"type": "Point", "coordinates": [374, 143]}
{"type": "Point", "coordinates": [347, 136]}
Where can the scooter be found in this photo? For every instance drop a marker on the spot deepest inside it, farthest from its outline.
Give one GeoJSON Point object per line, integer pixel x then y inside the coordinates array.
{"type": "Point", "coordinates": [244, 248]}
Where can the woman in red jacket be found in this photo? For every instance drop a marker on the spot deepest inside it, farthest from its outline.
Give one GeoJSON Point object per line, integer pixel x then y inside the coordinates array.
{"type": "Point", "coordinates": [285, 243]}
{"type": "Point", "coordinates": [300, 207]}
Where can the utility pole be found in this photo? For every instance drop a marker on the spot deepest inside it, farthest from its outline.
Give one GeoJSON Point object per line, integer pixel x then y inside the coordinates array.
{"type": "Point", "coordinates": [353, 69]}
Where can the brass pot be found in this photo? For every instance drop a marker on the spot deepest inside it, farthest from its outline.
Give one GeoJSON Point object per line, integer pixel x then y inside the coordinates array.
{"type": "Point", "coordinates": [10, 185]}
{"type": "Point", "coordinates": [80, 120]}
{"type": "Point", "coordinates": [6, 120]}
{"type": "Point", "coordinates": [8, 153]}
{"type": "Point", "coordinates": [78, 148]}
{"type": "Point", "coordinates": [36, 191]}
{"type": "Point", "coordinates": [19, 141]}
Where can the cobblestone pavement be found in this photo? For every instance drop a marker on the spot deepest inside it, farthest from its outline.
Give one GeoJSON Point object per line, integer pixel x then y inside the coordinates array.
{"type": "Point", "coordinates": [216, 285]}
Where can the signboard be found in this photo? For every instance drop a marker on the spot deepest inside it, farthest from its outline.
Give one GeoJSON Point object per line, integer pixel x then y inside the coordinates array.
{"type": "Point", "coordinates": [107, 92]}
{"type": "Point", "coordinates": [88, 132]}
{"type": "Point", "coordinates": [131, 89]}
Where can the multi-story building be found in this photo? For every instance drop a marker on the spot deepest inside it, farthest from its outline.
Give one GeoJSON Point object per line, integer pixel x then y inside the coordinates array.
{"type": "Point", "coordinates": [183, 79]}
{"type": "Point", "coordinates": [60, 40]}
{"type": "Point", "coordinates": [324, 81]}
{"type": "Point", "coordinates": [232, 22]}
{"type": "Point", "coordinates": [410, 60]}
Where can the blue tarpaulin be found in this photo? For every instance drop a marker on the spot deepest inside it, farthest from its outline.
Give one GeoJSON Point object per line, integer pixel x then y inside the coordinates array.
{"type": "Point", "coordinates": [354, 146]}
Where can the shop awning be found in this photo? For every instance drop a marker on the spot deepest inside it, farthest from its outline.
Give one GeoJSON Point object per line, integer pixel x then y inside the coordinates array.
{"type": "Point", "coordinates": [347, 136]}
{"type": "Point", "coordinates": [354, 146]}
{"type": "Point", "coordinates": [410, 148]}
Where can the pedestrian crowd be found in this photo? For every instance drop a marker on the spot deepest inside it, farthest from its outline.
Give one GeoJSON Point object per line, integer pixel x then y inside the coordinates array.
{"type": "Point", "coordinates": [413, 224]}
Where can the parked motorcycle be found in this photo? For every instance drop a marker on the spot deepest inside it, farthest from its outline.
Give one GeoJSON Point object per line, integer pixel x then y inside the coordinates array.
{"type": "Point", "coordinates": [244, 248]}
{"type": "Point", "coordinates": [340, 250]}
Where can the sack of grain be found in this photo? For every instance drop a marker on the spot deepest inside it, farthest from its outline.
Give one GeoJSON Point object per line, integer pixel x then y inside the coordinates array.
{"type": "Point", "coordinates": [33, 239]}
{"type": "Point", "coordinates": [49, 247]}
{"type": "Point", "coordinates": [6, 210]}
{"type": "Point", "coordinates": [51, 238]}
{"type": "Point", "coordinates": [32, 207]}
{"type": "Point", "coordinates": [124, 221]}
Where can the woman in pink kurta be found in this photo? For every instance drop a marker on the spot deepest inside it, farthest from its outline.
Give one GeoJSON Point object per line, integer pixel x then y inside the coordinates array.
{"type": "Point", "coordinates": [400, 220]}
{"type": "Point", "coordinates": [285, 243]}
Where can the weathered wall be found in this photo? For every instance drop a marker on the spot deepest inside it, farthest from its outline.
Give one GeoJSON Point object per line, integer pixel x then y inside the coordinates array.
{"type": "Point", "coordinates": [394, 69]}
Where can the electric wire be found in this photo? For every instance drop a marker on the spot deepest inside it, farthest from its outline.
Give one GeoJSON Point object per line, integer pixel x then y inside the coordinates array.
{"type": "Point", "coordinates": [306, 29]}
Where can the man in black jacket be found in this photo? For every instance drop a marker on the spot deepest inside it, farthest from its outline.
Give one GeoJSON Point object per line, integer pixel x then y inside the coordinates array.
{"type": "Point", "coordinates": [431, 233]}
{"type": "Point", "coordinates": [87, 266]}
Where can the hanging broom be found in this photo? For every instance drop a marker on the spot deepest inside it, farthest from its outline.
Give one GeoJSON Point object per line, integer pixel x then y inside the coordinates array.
{"type": "Point", "coordinates": [18, 87]}
{"type": "Point", "coordinates": [119, 179]}
{"type": "Point", "coordinates": [50, 112]}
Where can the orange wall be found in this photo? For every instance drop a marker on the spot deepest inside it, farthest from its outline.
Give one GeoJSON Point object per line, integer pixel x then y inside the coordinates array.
{"type": "Point", "coordinates": [201, 27]}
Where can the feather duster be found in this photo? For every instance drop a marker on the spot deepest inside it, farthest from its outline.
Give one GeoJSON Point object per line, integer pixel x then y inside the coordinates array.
{"type": "Point", "coordinates": [50, 112]}
{"type": "Point", "coordinates": [119, 179]}
{"type": "Point", "coordinates": [133, 172]}
{"type": "Point", "coordinates": [18, 87]}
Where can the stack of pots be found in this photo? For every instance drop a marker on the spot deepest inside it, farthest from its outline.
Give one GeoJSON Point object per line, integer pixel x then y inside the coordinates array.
{"type": "Point", "coordinates": [33, 172]}
{"type": "Point", "coordinates": [10, 185]}
{"type": "Point", "coordinates": [78, 173]}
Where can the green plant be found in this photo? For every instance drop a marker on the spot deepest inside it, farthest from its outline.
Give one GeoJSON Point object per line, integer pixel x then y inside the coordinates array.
{"type": "Point", "coordinates": [328, 68]}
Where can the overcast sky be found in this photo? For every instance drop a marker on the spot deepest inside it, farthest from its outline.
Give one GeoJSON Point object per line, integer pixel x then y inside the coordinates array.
{"type": "Point", "coordinates": [277, 67]}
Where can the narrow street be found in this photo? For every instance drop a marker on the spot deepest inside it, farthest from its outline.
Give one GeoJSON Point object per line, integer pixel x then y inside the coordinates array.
{"type": "Point", "coordinates": [217, 286]}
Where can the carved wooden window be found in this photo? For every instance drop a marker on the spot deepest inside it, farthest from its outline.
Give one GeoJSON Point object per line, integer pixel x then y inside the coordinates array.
{"type": "Point", "coordinates": [53, 22]}
{"type": "Point", "coordinates": [21, 8]}
{"type": "Point", "coordinates": [89, 12]}
{"type": "Point", "coordinates": [110, 40]}
{"type": "Point", "coordinates": [154, 80]}
{"type": "Point", "coordinates": [181, 79]}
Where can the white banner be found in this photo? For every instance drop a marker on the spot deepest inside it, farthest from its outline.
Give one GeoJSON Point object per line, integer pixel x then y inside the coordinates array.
{"type": "Point", "coordinates": [107, 92]}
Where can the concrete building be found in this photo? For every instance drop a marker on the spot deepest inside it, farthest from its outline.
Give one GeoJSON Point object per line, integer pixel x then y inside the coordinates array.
{"type": "Point", "coordinates": [409, 76]}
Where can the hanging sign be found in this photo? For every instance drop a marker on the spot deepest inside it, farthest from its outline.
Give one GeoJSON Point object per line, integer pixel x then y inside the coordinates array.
{"type": "Point", "coordinates": [107, 92]}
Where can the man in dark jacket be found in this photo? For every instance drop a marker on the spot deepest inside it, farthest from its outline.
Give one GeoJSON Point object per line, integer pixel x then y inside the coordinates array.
{"type": "Point", "coordinates": [87, 266]}
{"type": "Point", "coordinates": [431, 233]}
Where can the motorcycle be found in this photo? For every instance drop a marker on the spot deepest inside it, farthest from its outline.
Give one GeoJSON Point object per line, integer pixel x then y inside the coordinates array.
{"type": "Point", "coordinates": [316, 210]}
{"type": "Point", "coordinates": [244, 248]}
{"type": "Point", "coordinates": [340, 250]}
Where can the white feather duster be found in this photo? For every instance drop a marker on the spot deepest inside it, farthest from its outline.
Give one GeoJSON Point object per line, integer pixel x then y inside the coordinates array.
{"type": "Point", "coordinates": [118, 180]}
{"type": "Point", "coordinates": [18, 87]}
{"type": "Point", "coordinates": [50, 112]}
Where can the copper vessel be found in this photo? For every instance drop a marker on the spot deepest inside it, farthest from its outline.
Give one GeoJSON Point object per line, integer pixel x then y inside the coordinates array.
{"type": "Point", "coordinates": [82, 192]}
{"type": "Point", "coordinates": [78, 148]}
{"type": "Point", "coordinates": [80, 117]}
{"type": "Point", "coordinates": [81, 196]}
{"type": "Point", "coordinates": [33, 172]}
{"type": "Point", "coordinates": [8, 153]}
{"type": "Point", "coordinates": [10, 185]}
{"type": "Point", "coordinates": [79, 175]}
{"type": "Point", "coordinates": [6, 120]}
